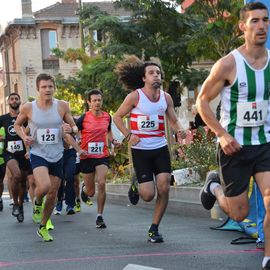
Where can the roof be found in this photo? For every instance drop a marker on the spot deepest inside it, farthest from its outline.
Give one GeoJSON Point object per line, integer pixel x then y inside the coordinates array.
{"type": "Point", "coordinates": [60, 10]}
{"type": "Point", "coordinates": [57, 10]}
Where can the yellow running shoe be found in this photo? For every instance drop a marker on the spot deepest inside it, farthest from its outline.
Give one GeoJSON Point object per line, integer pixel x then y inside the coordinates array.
{"type": "Point", "coordinates": [89, 202]}
{"type": "Point", "coordinates": [44, 234]}
{"type": "Point", "coordinates": [49, 225]}
{"type": "Point", "coordinates": [77, 207]}
{"type": "Point", "coordinates": [37, 213]}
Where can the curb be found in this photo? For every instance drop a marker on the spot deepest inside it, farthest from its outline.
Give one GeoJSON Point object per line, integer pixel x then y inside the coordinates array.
{"type": "Point", "coordinates": [183, 200]}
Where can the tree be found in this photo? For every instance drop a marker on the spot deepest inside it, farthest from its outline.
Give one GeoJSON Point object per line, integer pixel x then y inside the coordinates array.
{"type": "Point", "coordinates": [155, 28]}
{"type": "Point", "coordinates": [217, 28]}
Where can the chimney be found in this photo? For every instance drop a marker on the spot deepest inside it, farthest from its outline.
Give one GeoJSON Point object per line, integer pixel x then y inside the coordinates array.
{"type": "Point", "coordinates": [68, 1]}
{"type": "Point", "coordinates": [27, 9]}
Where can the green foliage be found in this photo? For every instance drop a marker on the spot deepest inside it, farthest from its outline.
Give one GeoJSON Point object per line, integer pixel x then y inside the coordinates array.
{"type": "Point", "coordinates": [100, 74]}
{"type": "Point", "coordinates": [155, 29]}
{"type": "Point", "coordinates": [216, 28]}
{"type": "Point", "coordinates": [200, 155]}
{"type": "Point", "coordinates": [75, 100]}
{"type": "Point", "coordinates": [120, 165]}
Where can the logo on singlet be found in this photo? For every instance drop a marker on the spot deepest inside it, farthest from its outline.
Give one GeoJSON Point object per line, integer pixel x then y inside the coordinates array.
{"type": "Point", "coordinates": [242, 84]}
{"type": "Point", "coordinates": [11, 130]}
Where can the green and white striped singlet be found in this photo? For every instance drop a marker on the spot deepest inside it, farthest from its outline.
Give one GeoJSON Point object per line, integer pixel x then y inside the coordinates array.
{"type": "Point", "coordinates": [250, 85]}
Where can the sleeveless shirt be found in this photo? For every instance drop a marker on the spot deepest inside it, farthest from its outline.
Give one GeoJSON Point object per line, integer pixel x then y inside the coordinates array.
{"type": "Point", "coordinates": [147, 121]}
{"type": "Point", "coordinates": [46, 129]}
{"type": "Point", "coordinates": [245, 103]}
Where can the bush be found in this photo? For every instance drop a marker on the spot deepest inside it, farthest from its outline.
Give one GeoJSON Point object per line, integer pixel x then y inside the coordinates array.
{"type": "Point", "coordinates": [119, 162]}
{"type": "Point", "coordinates": [200, 155]}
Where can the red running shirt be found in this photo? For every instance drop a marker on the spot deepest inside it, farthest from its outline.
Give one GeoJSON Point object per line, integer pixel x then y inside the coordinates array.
{"type": "Point", "coordinates": [94, 131]}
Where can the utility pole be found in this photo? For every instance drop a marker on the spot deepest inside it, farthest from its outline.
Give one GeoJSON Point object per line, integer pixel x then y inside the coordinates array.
{"type": "Point", "coordinates": [81, 27]}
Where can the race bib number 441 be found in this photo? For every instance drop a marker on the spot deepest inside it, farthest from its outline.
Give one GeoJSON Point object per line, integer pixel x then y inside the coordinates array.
{"type": "Point", "coordinates": [48, 136]}
{"type": "Point", "coordinates": [251, 114]}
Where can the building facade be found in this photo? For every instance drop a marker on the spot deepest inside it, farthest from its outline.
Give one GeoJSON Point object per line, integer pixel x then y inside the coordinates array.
{"type": "Point", "coordinates": [26, 45]}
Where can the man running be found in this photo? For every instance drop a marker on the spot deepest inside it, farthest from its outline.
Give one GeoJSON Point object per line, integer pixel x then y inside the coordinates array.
{"type": "Point", "coordinates": [14, 156]}
{"type": "Point", "coordinates": [147, 106]}
{"type": "Point", "coordinates": [45, 118]}
{"type": "Point", "coordinates": [242, 78]}
{"type": "Point", "coordinates": [2, 166]}
{"type": "Point", "coordinates": [95, 127]}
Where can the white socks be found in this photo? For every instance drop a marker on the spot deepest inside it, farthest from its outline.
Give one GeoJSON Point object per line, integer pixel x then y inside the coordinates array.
{"type": "Point", "coordinates": [265, 260]}
{"type": "Point", "coordinates": [213, 186]}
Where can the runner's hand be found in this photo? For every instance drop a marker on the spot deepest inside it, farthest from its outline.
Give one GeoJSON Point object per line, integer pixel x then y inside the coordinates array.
{"type": "Point", "coordinates": [28, 140]}
{"type": "Point", "coordinates": [229, 144]}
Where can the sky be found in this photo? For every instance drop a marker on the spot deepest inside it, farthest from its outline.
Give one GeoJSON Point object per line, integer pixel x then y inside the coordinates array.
{"type": "Point", "coordinates": [11, 9]}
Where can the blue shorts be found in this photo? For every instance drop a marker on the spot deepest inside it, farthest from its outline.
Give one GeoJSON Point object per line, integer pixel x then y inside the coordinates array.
{"type": "Point", "coordinates": [54, 168]}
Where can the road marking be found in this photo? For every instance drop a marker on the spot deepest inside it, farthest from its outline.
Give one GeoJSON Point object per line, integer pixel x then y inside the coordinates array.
{"type": "Point", "coordinates": [139, 267]}
{"type": "Point", "coordinates": [112, 257]}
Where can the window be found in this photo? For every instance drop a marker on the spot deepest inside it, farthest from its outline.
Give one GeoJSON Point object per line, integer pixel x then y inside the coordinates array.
{"type": "Point", "coordinates": [48, 42]}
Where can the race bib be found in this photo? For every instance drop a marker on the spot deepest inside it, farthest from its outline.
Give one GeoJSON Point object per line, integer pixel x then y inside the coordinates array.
{"type": "Point", "coordinates": [147, 122]}
{"type": "Point", "coordinates": [95, 148]}
{"type": "Point", "coordinates": [15, 146]}
{"type": "Point", "coordinates": [251, 114]}
{"type": "Point", "coordinates": [48, 135]}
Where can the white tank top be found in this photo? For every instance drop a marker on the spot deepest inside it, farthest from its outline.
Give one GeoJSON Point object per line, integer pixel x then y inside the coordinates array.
{"type": "Point", "coordinates": [46, 129]}
{"type": "Point", "coordinates": [147, 120]}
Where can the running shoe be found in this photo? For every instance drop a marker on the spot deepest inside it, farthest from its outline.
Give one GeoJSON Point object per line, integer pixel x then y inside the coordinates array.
{"type": "Point", "coordinates": [1, 204]}
{"type": "Point", "coordinates": [86, 199]}
{"type": "Point", "coordinates": [259, 244]}
{"type": "Point", "coordinates": [37, 213]}
{"type": "Point", "coordinates": [15, 210]}
{"type": "Point", "coordinates": [133, 193]}
{"type": "Point", "coordinates": [20, 216]}
{"type": "Point", "coordinates": [267, 266]}
{"type": "Point", "coordinates": [70, 210]}
{"type": "Point", "coordinates": [89, 202]}
{"type": "Point", "coordinates": [83, 195]}
{"type": "Point", "coordinates": [77, 207]}
{"type": "Point", "coordinates": [58, 208]}
{"type": "Point", "coordinates": [49, 225]}
{"type": "Point", "coordinates": [207, 198]}
{"type": "Point", "coordinates": [44, 234]}
{"type": "Point", "coordinates": [100, 224]}
{"type": "Point", "coordinates": [155, 237]}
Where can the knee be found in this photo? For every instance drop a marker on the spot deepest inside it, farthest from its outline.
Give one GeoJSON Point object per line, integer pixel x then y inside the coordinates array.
{"type": "Point", "coordinates": [147, 196]}
{"type": "Point", "coordinates": [89, 192]}
{"type": "Point", "coordinates": [240, 216]}
{"type": "Point", "coordinates": [101, 187]}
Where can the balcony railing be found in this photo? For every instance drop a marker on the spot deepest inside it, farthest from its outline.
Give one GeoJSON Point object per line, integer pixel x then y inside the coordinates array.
{"type": "Point", "coordinates": [50, 63]}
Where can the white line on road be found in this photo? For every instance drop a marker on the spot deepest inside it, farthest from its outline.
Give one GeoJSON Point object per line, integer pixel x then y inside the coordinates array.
{"type": "Point", "coordinates": [139, 267]}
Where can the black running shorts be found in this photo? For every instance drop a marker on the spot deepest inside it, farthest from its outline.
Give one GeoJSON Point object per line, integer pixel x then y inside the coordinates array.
{"type": "Point", "coordinates": [150, 162]}
{"type": "Point", "coordinates": [89, 165]}
{"type": "Point", "coordinates": [237, 169]}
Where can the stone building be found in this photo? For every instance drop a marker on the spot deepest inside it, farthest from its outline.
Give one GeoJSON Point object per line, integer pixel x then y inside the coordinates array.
{"type": "Point", "coordinates": [26, 45]}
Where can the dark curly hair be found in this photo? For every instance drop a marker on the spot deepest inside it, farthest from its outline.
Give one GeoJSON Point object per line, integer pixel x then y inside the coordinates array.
{"type": "Point", "coordinates": [131, 70]}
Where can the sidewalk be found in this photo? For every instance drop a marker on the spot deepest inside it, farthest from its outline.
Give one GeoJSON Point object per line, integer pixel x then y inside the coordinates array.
{"type": "Point", "coordinates": [183, 200]}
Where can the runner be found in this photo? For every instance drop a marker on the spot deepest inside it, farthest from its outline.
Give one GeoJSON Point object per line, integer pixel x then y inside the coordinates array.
{"type": "Point", "coordinates": [147, 106]}
{"type": "Point", "coordinates": [95, 127]}
{"type": "Point", "coordinates": [14, 156]}
{"type": "Point", "coordinates": [2, 166]}
{"type": "Point", "coordinates": [45, 117]}
{"type": "Point", "coordinates": [242, 78]}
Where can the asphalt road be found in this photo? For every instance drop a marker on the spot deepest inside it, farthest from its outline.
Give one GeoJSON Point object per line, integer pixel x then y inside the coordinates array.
{"type": "Point", "coordinates": [189, 243]}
